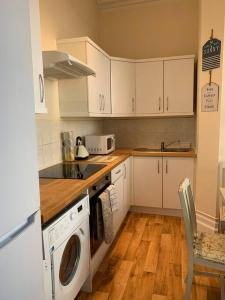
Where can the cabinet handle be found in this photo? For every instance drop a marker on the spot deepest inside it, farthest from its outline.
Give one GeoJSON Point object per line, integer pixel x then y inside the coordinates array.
{"type": "Point", "coordinates": [158, 166]}
{"type": "Point", "coordinates": [118, 171]}
{"type": "Point", "coordinates": [100, 102]}
{"type": "Point", "coordinates": [167, 103]}
{"type": "Point", "coordinates": [166, 167]}
{"type": "Point", "coordinates": [125, 173]}
{"type": "Point", "coordinates": [133, 104]}
{"type": "Point", "coordinates": [41, 86]}
{"type": "Point", "coordinates": [103, 99]}
{"type": "Point", "coordinates": [159, 103]}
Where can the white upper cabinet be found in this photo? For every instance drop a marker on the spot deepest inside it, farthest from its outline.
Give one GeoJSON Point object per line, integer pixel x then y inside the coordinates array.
{"type": "Point", "coordinates": [149, 87]}
{"type": "Point", "coordinates": [37, 63]}
{"type": "Point", "coordinates": [178, 86]}
{"type": "Point", "coordinates": [165, 87]}
{"type": "Point", "coordinates": [122, 87]}
{"type": "Point", "coordinates": [99, 86]}
{"type": "Point", "coordinates": [89, 96]}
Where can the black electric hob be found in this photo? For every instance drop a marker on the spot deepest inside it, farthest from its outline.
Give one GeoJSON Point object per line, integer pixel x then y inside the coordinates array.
{"type": "Point", "coordinates": [71, 171]}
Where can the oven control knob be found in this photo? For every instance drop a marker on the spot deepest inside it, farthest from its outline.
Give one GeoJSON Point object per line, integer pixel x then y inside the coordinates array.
{"type": "Point", "coordinates": [72, 216]}
{"type": "Point", "coordinates": [107, 177]}
{"type": "Point", "coordinates": [94, 188]}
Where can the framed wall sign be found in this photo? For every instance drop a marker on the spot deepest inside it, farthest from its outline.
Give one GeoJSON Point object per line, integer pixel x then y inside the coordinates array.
{"type": "Point", "coordinates": [210, 97]}
{"type": "Point", "coordinates": [211, 52]}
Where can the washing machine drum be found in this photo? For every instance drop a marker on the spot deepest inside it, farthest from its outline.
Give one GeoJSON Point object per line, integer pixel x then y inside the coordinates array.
{"type": "Point", "coordinates": [71, 264]}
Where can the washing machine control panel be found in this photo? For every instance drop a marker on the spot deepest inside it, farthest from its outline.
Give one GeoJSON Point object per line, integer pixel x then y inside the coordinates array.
{"type": "Point", "coordinates": [68, 222]}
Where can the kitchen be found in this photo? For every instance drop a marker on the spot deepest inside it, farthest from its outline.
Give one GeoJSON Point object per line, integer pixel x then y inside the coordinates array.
{"type": "Point", "coordinates": [145, 177]}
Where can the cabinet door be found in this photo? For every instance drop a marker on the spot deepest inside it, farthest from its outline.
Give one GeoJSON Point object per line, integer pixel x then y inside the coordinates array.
{"type": "Point", "coordinates": [178, 86]}
{"type": "Point", "coordinates": [105, 84]}
{"type": "Point", "coordinates": [175, 169]}
{"type": "Point", "coordinates": [37, 63]}
{"type": "Point", "coordinates": [94, 83]}
{"type": "Point", "coordinates": [148, 181]}
{"type": "Point", "coordinates": [122, 87]}
{"type": "Point", "coordinates": [127, 184]}
{"type": "Point", "coordinates": [118, 214]}
{"type": "Point", "coordinates": [149, 87]}
{"type": "Point", "coordinates": [99, 86]}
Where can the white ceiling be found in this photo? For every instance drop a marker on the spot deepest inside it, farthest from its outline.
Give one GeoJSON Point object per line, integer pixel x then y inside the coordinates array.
{"type": "Point", "coordinates": [118, 3]}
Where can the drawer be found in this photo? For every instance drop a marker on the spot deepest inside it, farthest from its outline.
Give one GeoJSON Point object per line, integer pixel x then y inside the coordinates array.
{"type": "Point", "coordinates": [117, 172]}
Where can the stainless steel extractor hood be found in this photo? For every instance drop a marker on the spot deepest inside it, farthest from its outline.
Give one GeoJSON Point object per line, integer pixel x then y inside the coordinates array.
{"type": "Point", "coordinates": [61, 65]}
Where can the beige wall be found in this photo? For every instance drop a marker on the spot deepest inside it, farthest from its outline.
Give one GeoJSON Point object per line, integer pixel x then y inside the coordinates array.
{"type": "Point", "coordinates": [209, 123]}
{"type": "Point", "coordinates": [160, 28]}
{"type": "Point", "coordinates": [62, 19]}
{"type": "Point", "coordinates": [66, 19]}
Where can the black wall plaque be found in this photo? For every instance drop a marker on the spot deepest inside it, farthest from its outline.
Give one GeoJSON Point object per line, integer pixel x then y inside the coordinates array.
{"type": "Point", "coordinates": [211, 54]}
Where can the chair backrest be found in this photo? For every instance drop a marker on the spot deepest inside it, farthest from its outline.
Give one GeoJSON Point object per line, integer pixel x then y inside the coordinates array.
{"type": "Point", "coordinates": [188, 208]}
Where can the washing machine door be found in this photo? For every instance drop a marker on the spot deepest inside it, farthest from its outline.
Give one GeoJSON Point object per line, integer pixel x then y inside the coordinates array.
{"type": "Point", "coordinates": [71, 261]}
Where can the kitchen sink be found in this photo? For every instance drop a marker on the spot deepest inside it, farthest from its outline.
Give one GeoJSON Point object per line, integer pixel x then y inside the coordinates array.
{"type": "Point", "coordinates": [176, 149]}
{"type": "Point", "coordinates": [147, 149]}
{"type": "Point", "coordinates": [164, 150]}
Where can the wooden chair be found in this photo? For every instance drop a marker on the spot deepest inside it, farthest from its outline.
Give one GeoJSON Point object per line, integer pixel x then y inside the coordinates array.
{"type": "Point", "coordinates": [205, 249]}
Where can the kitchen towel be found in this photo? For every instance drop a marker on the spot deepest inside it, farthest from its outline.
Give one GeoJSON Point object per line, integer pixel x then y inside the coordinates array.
{"type": "Point", "coordinates": [111, 190]}
{"type": "Point", "coordinates": [107, 214]}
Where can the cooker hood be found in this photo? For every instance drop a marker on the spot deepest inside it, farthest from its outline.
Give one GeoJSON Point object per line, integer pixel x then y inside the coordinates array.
{"type": "Point", "coordinates": [61, 65]}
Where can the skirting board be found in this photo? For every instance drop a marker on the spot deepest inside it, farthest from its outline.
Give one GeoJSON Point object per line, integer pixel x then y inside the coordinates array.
{"type": "Point", "coordinates": [206, 223]}
{"type": "Point", "coordinates": [157, 211]}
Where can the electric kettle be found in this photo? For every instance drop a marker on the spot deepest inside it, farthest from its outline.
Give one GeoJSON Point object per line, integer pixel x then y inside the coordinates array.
{"type": "Point", "coordinates": [81, 151]}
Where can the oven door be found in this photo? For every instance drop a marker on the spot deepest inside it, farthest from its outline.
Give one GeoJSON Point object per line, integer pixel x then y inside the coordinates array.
{"type": "Point", "coordinates": [71, 264]}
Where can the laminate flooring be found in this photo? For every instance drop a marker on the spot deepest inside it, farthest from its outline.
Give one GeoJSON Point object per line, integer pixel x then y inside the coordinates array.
{"type": "Point", "coordinates": [148, 261]}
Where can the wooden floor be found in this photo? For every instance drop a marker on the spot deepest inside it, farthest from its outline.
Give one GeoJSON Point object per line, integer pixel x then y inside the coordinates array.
{"type": "Point", "coordinates": [148, 261]}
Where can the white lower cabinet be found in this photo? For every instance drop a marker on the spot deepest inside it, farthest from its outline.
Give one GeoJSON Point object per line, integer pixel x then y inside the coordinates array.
{"type": "Point", "coordinates": [127, 184]}
{"type": "Point", "coordinates": [148, 181]}
{"type": "Point", "coordinates": [175, 169]}
{"type": "Point", "coordinates": [122, 180]}
{"type": "Point", "coordinates": [117, 181]}
{"type": "Point", "coordinates": [157, 180]}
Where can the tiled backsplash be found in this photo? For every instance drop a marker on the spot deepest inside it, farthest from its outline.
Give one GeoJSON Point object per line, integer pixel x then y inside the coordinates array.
{"type": "Point", "coordinates": [49, 139]}
{"type": "Point", "coordinates": [150, 132]}
{"type": "Point", "coordinates": [129, 133]}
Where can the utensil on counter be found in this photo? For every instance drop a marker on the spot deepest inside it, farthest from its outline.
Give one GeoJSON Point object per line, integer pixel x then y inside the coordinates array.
{"type": "Point", "coordinates": [68, 146]}
{"type": "Point", "coordinates": [81, 151]}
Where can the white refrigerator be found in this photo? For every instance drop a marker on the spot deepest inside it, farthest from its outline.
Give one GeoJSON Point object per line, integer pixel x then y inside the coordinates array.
{"type": "Point", "coordinates": [20, 227]}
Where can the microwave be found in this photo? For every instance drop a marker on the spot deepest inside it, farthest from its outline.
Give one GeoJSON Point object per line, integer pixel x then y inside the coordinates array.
{"type": "Point", "coordinates": [100, 144]}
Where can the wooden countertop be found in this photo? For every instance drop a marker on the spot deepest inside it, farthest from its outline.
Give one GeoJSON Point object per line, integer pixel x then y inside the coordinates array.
{"type": "Point", "coordinates": [132, 152]}
{"type": "Point", "coordinates": [56, 194]}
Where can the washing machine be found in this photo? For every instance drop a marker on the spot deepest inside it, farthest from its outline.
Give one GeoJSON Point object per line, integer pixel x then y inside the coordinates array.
{"type": "Point", "coordinates": [66, 252]}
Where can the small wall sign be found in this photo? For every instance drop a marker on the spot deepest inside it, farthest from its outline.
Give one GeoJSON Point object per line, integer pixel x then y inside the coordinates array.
{"type": "Point", "coordinates": [211, 52]}
{"type": "Point", "coordinates": [210, 97]}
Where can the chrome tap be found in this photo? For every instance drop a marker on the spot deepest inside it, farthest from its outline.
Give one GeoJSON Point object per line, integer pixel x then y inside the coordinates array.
{"type": "Point", "coordinates": [163, 146]}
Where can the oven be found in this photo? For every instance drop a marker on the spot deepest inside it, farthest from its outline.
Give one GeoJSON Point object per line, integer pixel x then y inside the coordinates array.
{"type": "Point", "coordinates": [95, 218]}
